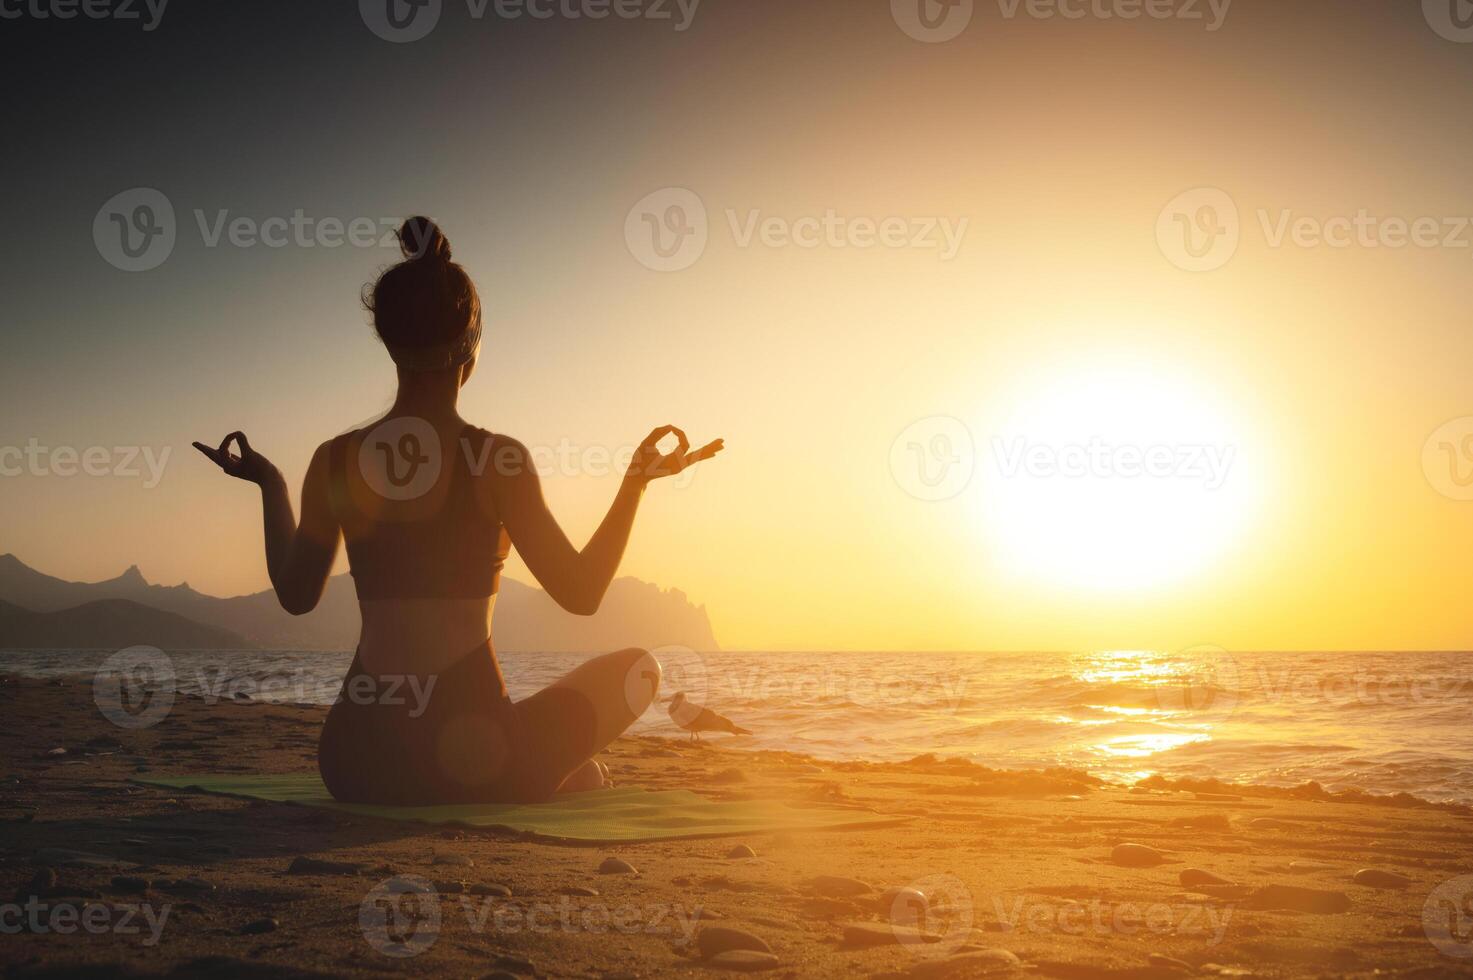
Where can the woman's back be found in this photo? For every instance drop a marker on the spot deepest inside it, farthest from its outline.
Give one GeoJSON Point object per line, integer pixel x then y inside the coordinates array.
{"type": "Point", "coordinates": [425, 548]}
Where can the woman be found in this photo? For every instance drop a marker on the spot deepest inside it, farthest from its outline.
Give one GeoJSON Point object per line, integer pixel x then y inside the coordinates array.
{"type": "Point", "coordinates": [429, 507]}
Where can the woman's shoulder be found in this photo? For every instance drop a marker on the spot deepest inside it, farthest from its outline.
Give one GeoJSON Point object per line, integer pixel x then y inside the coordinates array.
{"type": "Point", "coordinates": [506, 455]}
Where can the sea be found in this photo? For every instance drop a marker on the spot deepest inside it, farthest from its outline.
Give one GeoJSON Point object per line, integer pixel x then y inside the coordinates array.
{"type": "Point", "coordinates": [1379, 722]}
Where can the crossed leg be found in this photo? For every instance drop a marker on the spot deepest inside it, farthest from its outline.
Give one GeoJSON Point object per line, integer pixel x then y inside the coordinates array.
{"type": "Point", "coordinates": [580, 713]}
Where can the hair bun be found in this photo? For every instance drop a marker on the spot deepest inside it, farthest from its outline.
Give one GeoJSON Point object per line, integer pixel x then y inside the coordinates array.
{"type": "Point", "coordinates": [421, 238]}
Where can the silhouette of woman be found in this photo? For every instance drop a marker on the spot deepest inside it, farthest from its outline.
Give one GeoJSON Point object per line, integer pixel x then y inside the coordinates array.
{"type": "Point", "coordinates": [429, 507]}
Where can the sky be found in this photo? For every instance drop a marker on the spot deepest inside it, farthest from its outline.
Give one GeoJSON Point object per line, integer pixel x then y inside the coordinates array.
{"type": "Point", "coordinates": [1027, 325]}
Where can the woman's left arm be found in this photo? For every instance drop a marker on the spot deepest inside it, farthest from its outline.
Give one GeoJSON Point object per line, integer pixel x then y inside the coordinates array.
{"type": "Point", "coordinates": [299, 559]}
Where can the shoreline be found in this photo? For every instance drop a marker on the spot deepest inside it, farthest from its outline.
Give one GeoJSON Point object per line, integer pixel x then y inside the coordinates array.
{"type": "Point", "coordinates": [1310, 790]}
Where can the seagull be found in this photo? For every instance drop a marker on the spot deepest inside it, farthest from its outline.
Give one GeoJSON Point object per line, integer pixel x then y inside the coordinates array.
{"type": "Point", "coordinates": [696, 719]}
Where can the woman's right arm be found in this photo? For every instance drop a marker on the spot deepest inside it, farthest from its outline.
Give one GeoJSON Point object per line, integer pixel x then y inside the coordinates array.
{"type": "Point", "coordinates": [577, 580]}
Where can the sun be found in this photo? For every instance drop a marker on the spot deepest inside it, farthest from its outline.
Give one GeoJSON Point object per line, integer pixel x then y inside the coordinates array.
{"type": "Point", "coordinates": [1116, 477]}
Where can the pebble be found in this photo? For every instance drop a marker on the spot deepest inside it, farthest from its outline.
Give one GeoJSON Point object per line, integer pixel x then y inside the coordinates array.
{"type": "Point", "coordinates": [616, 866]}
{"type": "Point", "coordinates": [982, 961]}
{"type": "Point", "coordinates": [1297, 899]}
{"type": "Point", "coordinates": [838, 886]}
{"type": "Point", "coordinates": [714, 940]}
{"type": "Point", "coordinates": [1376, 878]}
{"type": "Point", "coordinates": [740, 851]}
{"type": "Point", "coordinates": [1269, 823]}
{"type": "Point", "coordinates": [130, 883]}
{"type": "Point", "coordinates": [862, 934]}
{"type": "Point", "coordinates": [907, 898]}
{"type": "Point", "coordinates": [747, 960]}
{"type": "Point", "coordinates": [43, 883]}
{"type": "Point", "coordinates": [458, 860]}
{"type": "Point", "coordinates": [582, 891]}
{"type": "Point", "coordinates": [1196, 876]}
{"type": "Point", "coordinates": [259, 927]}
{"type": "Point", "coordinates": [56, 752]}
{"type": "Point", "coordinates": [1136, 856]}
{"type": "Point", "coordinates": [1170, 963]}
{"type": "Point", "coordinates": [498, 891]}
{"type": "Point", "coordinates": [447, 887]}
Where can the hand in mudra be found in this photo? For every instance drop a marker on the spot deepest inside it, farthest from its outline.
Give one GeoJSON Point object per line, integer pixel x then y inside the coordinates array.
{"type": "Point", "coordinates": [651, 464]}
{"type": "Point", "coordinates": [250, 465]}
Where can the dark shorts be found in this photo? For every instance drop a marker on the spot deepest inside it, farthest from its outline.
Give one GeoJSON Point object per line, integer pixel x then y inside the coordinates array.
{"type": "Point", "coordinates": [454, 737]}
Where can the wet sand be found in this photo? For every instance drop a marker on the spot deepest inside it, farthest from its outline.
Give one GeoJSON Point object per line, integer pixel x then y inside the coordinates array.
{"type": "Point", "coordinates": [1022, 873]}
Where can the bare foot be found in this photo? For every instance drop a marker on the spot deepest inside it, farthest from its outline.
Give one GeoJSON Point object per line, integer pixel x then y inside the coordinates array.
{"type": "Point", "coordinates": [591, 775]}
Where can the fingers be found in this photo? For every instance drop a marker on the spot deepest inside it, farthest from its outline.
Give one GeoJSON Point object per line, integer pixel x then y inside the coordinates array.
{"type": "Point", "coordinates": [707, 451]}
{"type": "Point", "coordinates": [656, 436]}
{"type": "Point", "coordinates": [211, 454]}
{"type": "Point", "coordinates": [683, 445]}
{"type": "Point", "coordinates": [240, 440]}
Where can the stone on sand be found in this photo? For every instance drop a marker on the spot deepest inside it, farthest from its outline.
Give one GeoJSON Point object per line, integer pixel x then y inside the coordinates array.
{"type": "Point", "coordinates": [837, 886]}
{"type": "Point", "coordinates": [1296, 899]}
{"type": "Point", "coordinates": [904, 897]}
{"type": "Point", "coordinates": [494, 890]}
{"type": "Point", "coordinates": [1193, 877]}
{"type": "Point", "coordinates": [1170, 963]}
{"type": "Point", "coordinates": [43, 882]}
{"type": "Point", "coordinates": [714, 940]}
{"type": "Point", "coordinates": [966, 964]}
{"type": "Point", "coordinates": [746, 960]}
{"type": "Point", "coordinates": [1376, 878]}
{"type": "Point", "coordinates": [1136, 856]}
{"type": "Point", "coordinates": [740, 851]}
{"type": "Point", "coordinates": [259, 926]}
{"type": "Point", "coordinates": [616, 866]}
{"type": "Point", "coordinates": [1270, 823]}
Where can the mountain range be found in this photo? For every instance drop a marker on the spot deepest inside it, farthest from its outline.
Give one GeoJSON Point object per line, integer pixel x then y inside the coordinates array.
{"type": "Point", "coordinates": [38, 611]}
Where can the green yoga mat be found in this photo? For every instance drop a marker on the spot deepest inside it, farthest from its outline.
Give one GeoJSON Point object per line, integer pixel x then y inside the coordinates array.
{"type": "Point", "coordinates": [599, 816]}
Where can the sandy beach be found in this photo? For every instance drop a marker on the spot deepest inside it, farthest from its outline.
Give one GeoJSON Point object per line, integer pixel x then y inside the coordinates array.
{"type": "Point", "coordinates": [1022, 872]}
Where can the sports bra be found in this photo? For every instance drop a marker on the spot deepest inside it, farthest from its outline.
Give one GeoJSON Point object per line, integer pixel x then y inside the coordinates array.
{"type": "Point", "coordinates": [442, 545]}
